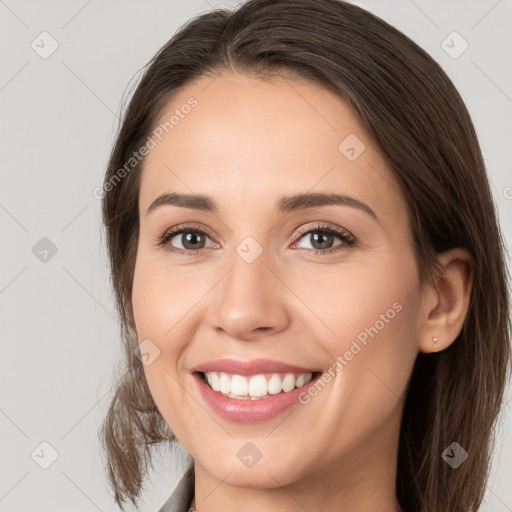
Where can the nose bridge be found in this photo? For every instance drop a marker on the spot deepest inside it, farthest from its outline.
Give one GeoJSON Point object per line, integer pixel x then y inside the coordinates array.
{"type": "Point", "coordinates": [249, 297]}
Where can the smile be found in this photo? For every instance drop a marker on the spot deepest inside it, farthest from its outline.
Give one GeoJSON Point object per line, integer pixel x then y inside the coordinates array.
{"type": "Point", "coordinates": [255, 387]}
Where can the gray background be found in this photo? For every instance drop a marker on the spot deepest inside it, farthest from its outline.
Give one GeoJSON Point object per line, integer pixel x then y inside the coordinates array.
{"type": "Point", "coordinates": [58, 117]}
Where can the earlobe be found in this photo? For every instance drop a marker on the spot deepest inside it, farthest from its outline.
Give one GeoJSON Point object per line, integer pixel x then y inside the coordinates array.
{"type": "Point", "coordinates": [447, 305]}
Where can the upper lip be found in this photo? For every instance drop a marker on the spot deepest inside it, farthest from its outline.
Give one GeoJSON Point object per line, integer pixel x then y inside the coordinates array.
{"type": "Point", "coordinates": [254, 367]}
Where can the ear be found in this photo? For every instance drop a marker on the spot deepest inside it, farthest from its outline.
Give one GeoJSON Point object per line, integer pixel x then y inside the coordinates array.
{"type": "Point", "coordinates": [445, 305]}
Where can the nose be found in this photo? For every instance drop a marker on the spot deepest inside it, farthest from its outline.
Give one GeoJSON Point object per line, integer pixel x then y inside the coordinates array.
{"type": "Point", "coordinates": [250, 301]}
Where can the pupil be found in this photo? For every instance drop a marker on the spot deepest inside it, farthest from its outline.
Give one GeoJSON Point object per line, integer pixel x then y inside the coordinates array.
{"type": "Point", "coordinates": [191, 238]}
{"type": "Point", "coordinates": [324, 244]}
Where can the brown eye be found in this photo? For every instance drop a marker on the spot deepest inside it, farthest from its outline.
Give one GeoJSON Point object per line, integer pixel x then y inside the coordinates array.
{"type": "Point", "coordinates": [322, 239]}
{"type": "Point", "coordinates": [185, 240]}
{"type": "Point", "coordinates": [190, 240]}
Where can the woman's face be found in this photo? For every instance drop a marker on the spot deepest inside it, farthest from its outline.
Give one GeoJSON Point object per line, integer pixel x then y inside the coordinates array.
{"type": "Point", "coordinates": [260, 272]}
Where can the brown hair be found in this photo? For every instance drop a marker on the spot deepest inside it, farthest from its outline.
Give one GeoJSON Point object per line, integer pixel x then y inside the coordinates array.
{"type": "Point", "coordinates": [417, 118]}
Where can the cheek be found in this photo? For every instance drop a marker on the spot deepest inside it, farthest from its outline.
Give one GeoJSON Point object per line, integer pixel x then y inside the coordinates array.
{"type": "Point", "coordinates": [374, 375]}
{"type": "Point", "coordinates": [380, 354]}
{"type": "Point", "coordinates": [157, 311]}
{"type": "Point", "coordinates": [366, 298]}
{"type": "Point", "coordinates": [161, 300]}
{"type": "Point", "coordinates": [370, 320]}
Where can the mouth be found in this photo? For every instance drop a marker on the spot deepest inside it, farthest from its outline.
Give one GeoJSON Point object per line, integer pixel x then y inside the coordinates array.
{"type": "Point", "coordinates": [252, 390]}
{"type": "Point", "coordinates": [252, 398]}
{"type": "Point", "coordinates": [260, 386]}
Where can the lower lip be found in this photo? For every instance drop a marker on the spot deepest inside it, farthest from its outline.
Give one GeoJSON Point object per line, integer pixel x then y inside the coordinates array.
{"type": "Point", "coordinates": [249, 411]}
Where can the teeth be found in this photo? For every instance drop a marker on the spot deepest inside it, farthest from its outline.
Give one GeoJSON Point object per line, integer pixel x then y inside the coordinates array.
{"type": "Point", "coordinates": [256, 386]}
{"type": "Point", "coordinates": [301, 380]}
{"type": "Point", "coordinates": [225, 383]}
{"type": "Point", "coordinates": [239, 385]}
{"type": "Point", "coordinates": [214, 381]}
{"type": "Point", "coordinates": [274, 385]}
{"type": "Point", "coordinates": [289, 382]}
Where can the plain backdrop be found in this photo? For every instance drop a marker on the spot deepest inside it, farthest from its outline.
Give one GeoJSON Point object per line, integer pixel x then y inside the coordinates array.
{"type": "Point", "coordinates": [59, 116]}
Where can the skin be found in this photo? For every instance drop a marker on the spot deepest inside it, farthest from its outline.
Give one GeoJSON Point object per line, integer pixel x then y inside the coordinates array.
{"type": "Point", "coordinates": [246, 144]}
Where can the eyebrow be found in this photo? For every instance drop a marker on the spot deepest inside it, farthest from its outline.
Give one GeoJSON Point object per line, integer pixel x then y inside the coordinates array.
{"type": "Point", "coordinates": [286, 204]}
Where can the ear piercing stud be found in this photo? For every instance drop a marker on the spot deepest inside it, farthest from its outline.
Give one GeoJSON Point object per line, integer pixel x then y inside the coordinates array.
{"type": "Point", "coordinates": [434, 340]}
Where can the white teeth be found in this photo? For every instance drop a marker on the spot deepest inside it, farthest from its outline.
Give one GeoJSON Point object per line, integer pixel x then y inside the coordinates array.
{"type": "Point", "coordinates": [289, 382]}
{"type": "Point", "coordinates": [274, 385]}
{"type": "Point", "coordinates": [239, 385]}
{"type": "Point", "coordinates": [256, 386]}
{"type": "Point", "coordinates": [301, 380]}
{"type": "Point", "coordinates": [225, 383]}
{"type": "Point", "coordinates": [214, 381]}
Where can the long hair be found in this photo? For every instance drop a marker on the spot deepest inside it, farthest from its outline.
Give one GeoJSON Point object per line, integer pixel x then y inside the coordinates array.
{"type": "Point", "coordinates": [418, 120]}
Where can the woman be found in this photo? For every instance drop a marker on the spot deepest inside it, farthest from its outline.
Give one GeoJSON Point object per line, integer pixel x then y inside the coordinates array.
{"type": "Point", "coordinates": [308, 268]}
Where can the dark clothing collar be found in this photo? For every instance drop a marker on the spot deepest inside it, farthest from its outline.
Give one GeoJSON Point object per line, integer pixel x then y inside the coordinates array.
{"type": "Point", "coordinates": [183, 494]}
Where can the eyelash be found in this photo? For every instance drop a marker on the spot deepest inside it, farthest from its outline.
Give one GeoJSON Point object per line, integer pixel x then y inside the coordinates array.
{"type": "Point", "coordinates": [347, 239]}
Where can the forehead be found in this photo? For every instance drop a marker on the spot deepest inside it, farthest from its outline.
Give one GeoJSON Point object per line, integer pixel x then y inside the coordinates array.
{"type": "Point", "coordinates": [248, 141]}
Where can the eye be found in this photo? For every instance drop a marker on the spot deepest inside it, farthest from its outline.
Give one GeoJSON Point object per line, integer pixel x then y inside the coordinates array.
{"type": "Point", "coordinates": [191, 238]}
{"type": "Point", "coordinates": [321, 238]}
